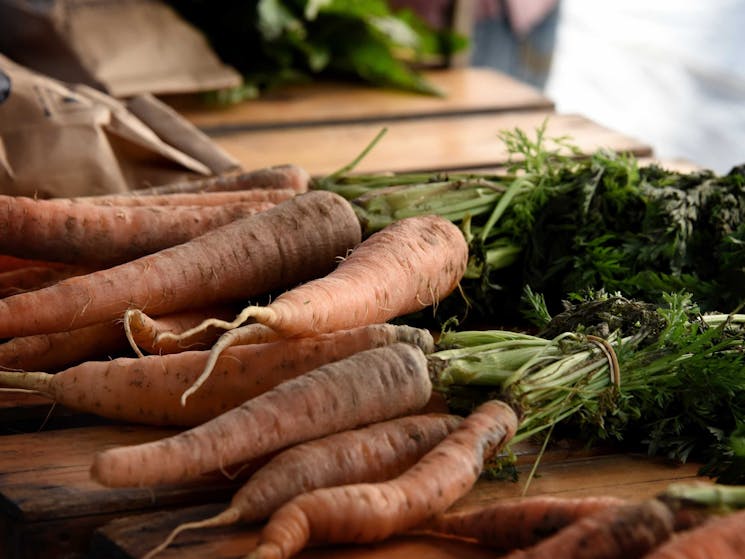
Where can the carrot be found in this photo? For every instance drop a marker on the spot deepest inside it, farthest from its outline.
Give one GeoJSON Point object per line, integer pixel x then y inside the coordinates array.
{"type": "Point", "coordinates": [517, 523]}
{"type": "Point", "coordinates": [627, 531]}
{"type": "Point", "coordinates": [374, 453]}
{"type": "Point", "coordinates": [142, 331]}
{"type": "Point", "coordinates": [148, 389]}
{"type": "Point", "coordinates": [216, 198]}
{"type": "Point", "coordinates": [9, 263]}
{"type": "Point", "coordinates": [52, 352]}
{"type": "Point", "coordinates": [369, 386]}
{"type": "Point", "coordinates": [55, 351]}
{"type": "Point", "coordinates": [721, 537]}
{"type": "Point", "coordinates": [373, 511]}
{"type": "Point", "coordinates": [292, 242]}
{"type": "Point", "coordinates": [274, 177]}
{"type": "Point", "coordinates": [63, 231]}
{"type": "Point", "coordinates": [407, 266]}
{"type": "Point", "coordinates": [35, 277]}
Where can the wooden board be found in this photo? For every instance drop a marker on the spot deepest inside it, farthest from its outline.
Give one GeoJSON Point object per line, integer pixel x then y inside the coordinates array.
{"type": "Point", "coordinates": [433, 144]}
{"type": "Point", "coordinates": [560, 473]}
{"type": "Point", "coordinates": [49, 506]}
{"type": "Point", "coordinates": [465, 90]}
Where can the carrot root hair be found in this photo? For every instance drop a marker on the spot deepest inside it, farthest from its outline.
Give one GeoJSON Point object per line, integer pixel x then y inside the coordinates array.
{"type": "Point", "coordinates": [226, 517]}
{"type": "Point", "coordinates": [249, 334]}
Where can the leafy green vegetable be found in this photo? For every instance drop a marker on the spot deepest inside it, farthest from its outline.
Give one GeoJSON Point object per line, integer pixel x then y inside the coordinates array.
{"type": "Point", "coordinates": [561, 224]}
{"type": "Point", "coordinates": [278, 41]}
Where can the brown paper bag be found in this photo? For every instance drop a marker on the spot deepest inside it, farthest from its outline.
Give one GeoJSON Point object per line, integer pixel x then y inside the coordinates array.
{"type": "Point", "coordinates": [123, 47]}
{"type": "Point", "coordinates": [72, 140]}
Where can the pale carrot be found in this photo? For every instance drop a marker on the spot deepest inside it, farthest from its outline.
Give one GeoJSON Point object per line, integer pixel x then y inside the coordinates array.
{"type": "Point", "coordinates": [367, 387]}
{"type": "Point", "coordinates": [64, 231]}
{"type": "Point", "coordinates": [55, 351]}
{"type": "Point", "coordinates": [142, 331]}
{"type": "Point", "coordinates": [148, 389]}
{"type": "Point", "coordinates": [374, 511]}
{"type": "Point", "coordinates": [378, 452]}
{"type": "Point", "coordinates": [215, 198]}
{"type": "Point", "coordinates": [296, 240]}
{"type": "Point", "coordinates": [406, 267]}
{"type": "Point", "coordinates": [274, 177]}
{"type": "Point", "coordinates": [507, 524]}
{"type": "Point", "coordinates": [720, 537]}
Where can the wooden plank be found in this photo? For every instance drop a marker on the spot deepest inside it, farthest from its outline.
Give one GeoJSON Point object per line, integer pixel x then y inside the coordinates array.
{"type": "Point", "coordinates": [46, 493]}
{"type": "Point", "coordinates": [465, 91]}
{"type": "Point", "coordinates": [434, 144]}
{"type": "Point", "coordinates": [625, 476]}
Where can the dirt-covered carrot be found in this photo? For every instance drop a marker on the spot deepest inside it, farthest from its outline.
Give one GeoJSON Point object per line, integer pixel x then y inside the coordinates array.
{"type": "Point", "coordinates": [507, 524]}
{"type": "Point", "coordinates": [296, 240]}
{"type": "Point", "coordinates": [148, 389]}
{"type": "Point", "coordinates": [720, 537]}
{"type": "Point", "coordinates": [63, 231]}
{"type": "Point", "coordinates": [627, 531]}
{"type": "Point", "coordinates": [367, 387]}
{"type": "Point", "coordinates": [408, 266]}
{"type": "Point", "coordinates": [373, 511]}
{"type": "Point", "coordinates": [375, 453]}
{"type": "Point", "coordinates": [217, 198]}
{"type": "Point", "coordinates": [274, 177]}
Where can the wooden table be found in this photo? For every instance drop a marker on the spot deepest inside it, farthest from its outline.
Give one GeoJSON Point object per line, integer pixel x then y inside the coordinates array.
{"type": "Point", "coordinates": [48, 505]}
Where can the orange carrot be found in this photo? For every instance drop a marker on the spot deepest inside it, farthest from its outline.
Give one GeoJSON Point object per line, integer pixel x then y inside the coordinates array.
{"type": "Point", "coordinates": [367, 387]}
{"type": "Point", "coordinates": [626, 531]}
{"type": "Point", "coordinates": [516, 523]}
{"type": "Point", "coordinates": [375, 453]}
{"type": "Point", "coordinates": [63, 231]}
{"type": "Point", "coordinates": [404, 268]}
{"type": "Point", "coordinates": [720, 537]}
{"type": "Point", "coordinates": [36, 277]}
{"type": "Point", "coordinates": [373, 511]}
{"type": "Point", "coordinates": [296, 240]}
{"type": "Point", "coordinates": [9, 263]}
{"type": "Point", "coordinates": [52, 352]}
{"type": "Point", "coordinates": [274, 177]}
{"type": "Point", "coordinates": [148, 389]}
{"type": "Point", "coordinates": [216, 198]}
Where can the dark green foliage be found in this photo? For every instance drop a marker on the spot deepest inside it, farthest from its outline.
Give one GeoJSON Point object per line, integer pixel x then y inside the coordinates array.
{"type": "Point", "coordinates": [271, 42]}
{"type": "Point", "coordinates": [561, 224]}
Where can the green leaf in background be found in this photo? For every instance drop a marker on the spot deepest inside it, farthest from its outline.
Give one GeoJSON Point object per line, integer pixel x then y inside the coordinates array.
{"type": "Point", "coordinates": [272, 42]}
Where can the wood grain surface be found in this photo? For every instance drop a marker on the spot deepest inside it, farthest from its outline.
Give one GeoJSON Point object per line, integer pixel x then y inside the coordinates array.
{"type": "Point", "coordinates": [465, 90]}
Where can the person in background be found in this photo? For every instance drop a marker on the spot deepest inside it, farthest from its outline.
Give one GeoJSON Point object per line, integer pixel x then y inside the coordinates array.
{"type": "Point", "coordinates": [513, 36]}
{"type": "Point", "coordinates": [670, 73]}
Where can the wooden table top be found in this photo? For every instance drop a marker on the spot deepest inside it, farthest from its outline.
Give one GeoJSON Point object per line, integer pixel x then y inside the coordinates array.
{"type": "Point", "coordinates": [465, 91]}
